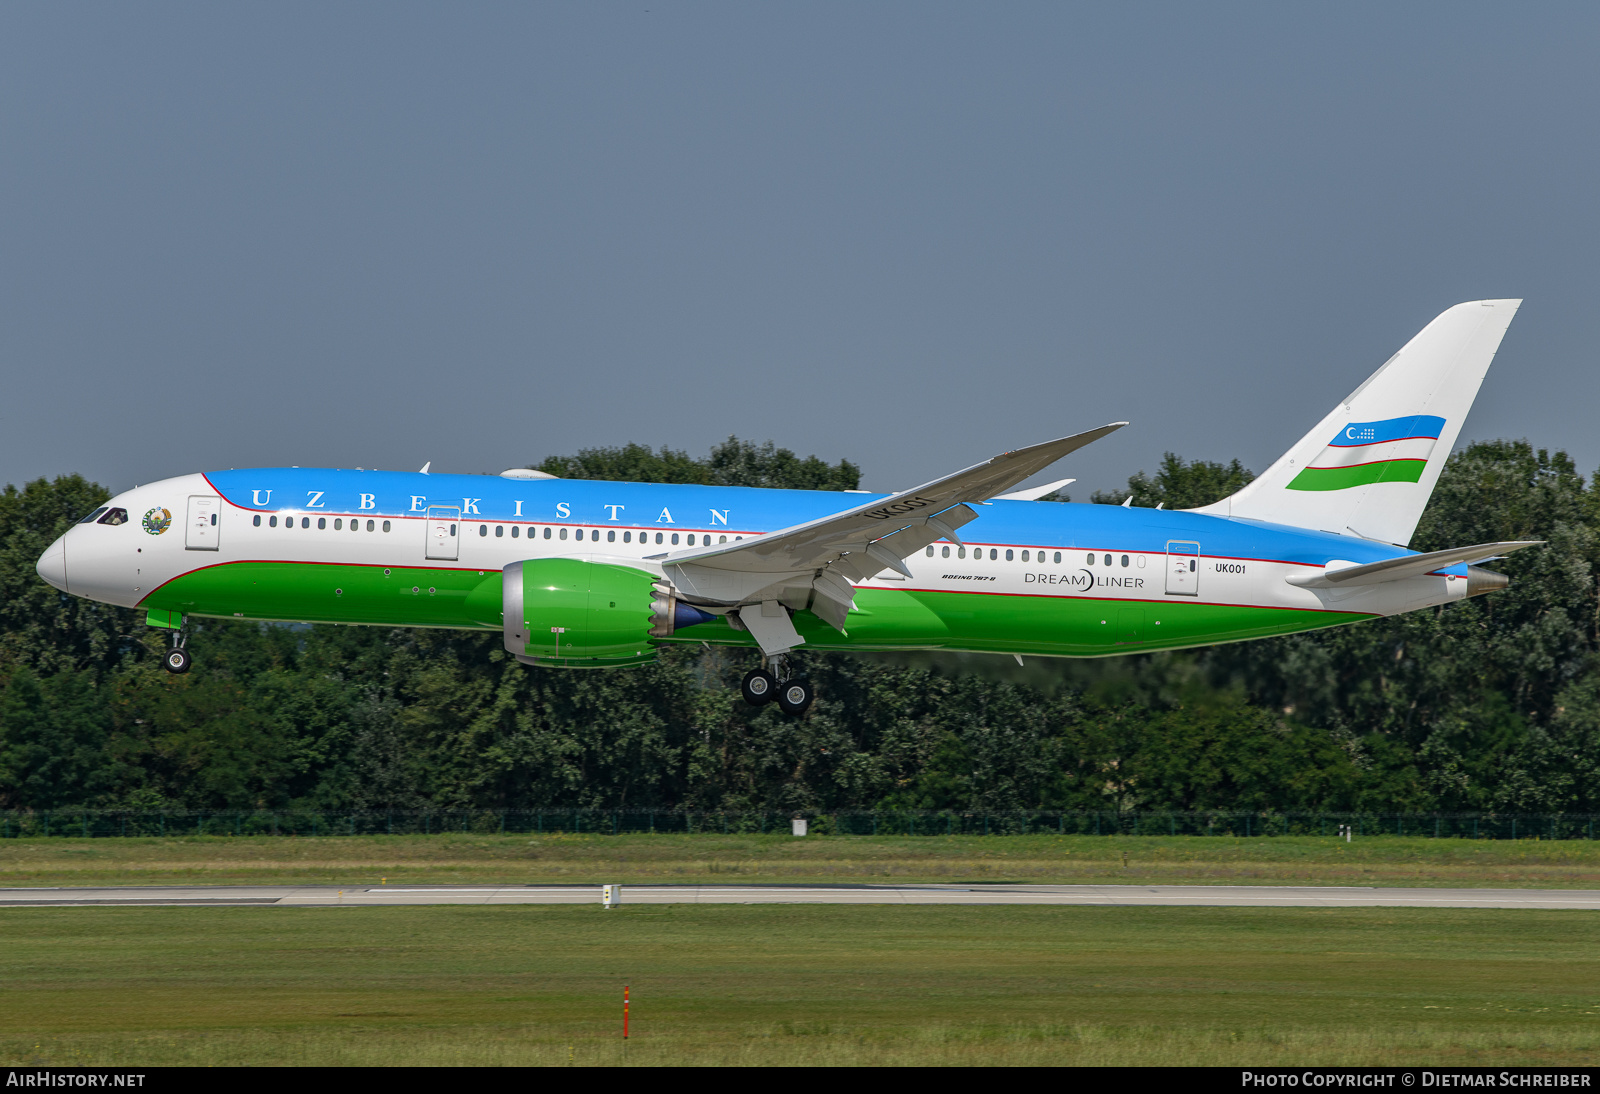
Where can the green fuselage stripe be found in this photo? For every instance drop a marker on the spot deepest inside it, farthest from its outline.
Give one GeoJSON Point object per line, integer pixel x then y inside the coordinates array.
{"type": "Point", "coordinates": [886, 619]}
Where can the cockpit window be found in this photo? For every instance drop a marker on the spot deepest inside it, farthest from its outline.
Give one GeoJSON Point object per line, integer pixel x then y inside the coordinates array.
{"type": "Point", "coordinates": [94, 516]}
{"type": "Point", "coordinates": [114, 517]}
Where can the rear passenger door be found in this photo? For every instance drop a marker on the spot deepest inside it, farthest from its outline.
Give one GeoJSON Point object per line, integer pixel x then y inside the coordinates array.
{"type": "Point", "coordinates": [1183, 568]}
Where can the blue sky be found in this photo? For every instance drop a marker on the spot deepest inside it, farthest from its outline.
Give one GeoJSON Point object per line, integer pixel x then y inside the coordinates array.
{"type": "Point", "coordinates": [912, 234]}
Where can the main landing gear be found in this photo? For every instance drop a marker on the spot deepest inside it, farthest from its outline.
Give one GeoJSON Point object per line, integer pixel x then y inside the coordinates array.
{"type": "Point", "coordinates": [761, 686]}
{"type": "Point", "coordinates": [177, 658]}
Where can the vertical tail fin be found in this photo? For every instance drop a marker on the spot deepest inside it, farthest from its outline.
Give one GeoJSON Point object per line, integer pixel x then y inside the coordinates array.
{"type": "Point", "coordinates": [1368, 468]}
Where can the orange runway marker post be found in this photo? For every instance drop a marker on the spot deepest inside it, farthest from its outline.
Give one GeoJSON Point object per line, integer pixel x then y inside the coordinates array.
{"type": "Point", "coordinates": [624, 1012]}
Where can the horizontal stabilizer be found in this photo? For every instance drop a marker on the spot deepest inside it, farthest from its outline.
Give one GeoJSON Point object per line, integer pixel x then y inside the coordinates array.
{"type": "Point", "coordinates": [1396, 569]}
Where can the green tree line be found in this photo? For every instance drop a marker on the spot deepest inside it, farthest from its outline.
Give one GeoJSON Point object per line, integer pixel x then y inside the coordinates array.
{"type": "Point", "coordinates": [1488, 704]}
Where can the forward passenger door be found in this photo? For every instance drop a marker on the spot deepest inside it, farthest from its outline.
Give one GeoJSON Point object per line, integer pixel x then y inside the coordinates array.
{"type": "Point", "coordinates": [202, 531]}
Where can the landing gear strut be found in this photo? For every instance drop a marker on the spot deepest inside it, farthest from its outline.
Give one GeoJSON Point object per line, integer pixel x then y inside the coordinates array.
{"type": "Point", "coordinates": [762, 686]}
{"type": "Point", "coordinates": [177, 658]}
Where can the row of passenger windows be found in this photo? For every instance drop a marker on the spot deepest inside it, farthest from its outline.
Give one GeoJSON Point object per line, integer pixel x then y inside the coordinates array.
{"type": "Point", "coordinates": [322, 522]}
{"type": "Point", "coordinates": [499, 530]}
{"type": "Point", "coordinates": [611, 535]}
{"type": "Point", "coordinates": [994, 555]}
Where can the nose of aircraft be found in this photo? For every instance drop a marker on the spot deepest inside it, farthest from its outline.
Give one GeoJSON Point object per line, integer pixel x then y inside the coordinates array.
{"type": "Point", "coordinates": [52, 565]}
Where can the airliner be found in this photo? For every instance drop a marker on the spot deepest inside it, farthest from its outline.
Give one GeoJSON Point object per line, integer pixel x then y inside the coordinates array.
{"type": "Point", "coordinates": [597, 574]}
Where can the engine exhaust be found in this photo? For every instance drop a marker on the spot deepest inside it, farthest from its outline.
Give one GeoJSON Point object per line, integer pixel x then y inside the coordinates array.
{"type": "Point", "coordinates": [1480, 581]}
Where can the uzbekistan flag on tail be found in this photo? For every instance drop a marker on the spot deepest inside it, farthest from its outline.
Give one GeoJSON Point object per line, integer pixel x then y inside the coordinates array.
{"type": "Point", "coordinates": [1363, 453]}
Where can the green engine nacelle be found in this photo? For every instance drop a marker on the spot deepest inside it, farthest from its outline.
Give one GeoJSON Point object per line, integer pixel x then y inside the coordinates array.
{"type": "Point", "coordinates": [576, 614]}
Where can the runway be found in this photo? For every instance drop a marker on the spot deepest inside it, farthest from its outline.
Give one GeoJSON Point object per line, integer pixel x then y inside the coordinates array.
{"type": "Point", "coordinates": [1232, 896]}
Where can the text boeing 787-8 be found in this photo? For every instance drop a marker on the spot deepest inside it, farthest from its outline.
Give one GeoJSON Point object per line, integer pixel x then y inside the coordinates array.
{"type": "Point", "coordinates": [593, 574]}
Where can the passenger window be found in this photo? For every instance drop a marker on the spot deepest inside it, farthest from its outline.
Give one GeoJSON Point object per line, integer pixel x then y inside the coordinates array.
{"type": "Point", "coordinates": [114, 517]}
{"type": "Point", "coordinates": [547, 533]}
{"type": "Point", "coordinates": [256, 520]}
{"type": "Point", "coordinates": [98, 513]}
{"type": "Point", "coordinates": [1008, 554]}
{"type": "Point", "coordinates": [385, 525]}
{"type": "Point", "coordinates": [305, 522]}
{"type": "Point", "coordinates": [1124, 560]}
{"type": "Point", "coordinates": [611, 535]}
{"type": "Point", "coordinates": [691, 539]}
{"type": "Point", "coordinates": [272, 522]}
{"type": "Point", "coordinates": [929, 552]}
{"type": "Point", "coordinates": [499, 531]}
{"type": "Point", "coordinates": [338, 524]}
{"type": "Point", "coordinates": [322, 524]}
{"type": "Point", "coordinates": [563, 533]}
{"type": "Point", "coordinates": [944, 551]}
{"type": "Point", "coordinates": [1058, 556]}
{"type": "Point", "coordinates": [1108, 560]}
{"type": "Point", "coordinates": [658, 538]}
{"type": "Point", "coordinates": [514, 532]}
{"type": "Point", "coordinates": [674, 539]}
{"type": "Point", "coordinates": [1091, 560]}
{"type": "Point", "coordinates": [722, 539]}
{"type": "Point", "coordinates": [627, 537]}
{"type": "Point", "coordinates": [1025, 556]}
{"type": "Point", "coordinates": [961, 552]}
{"type": "Point", "coordinates": [371, 527]}
{"type": "Point", "coordinates": [993, 554]}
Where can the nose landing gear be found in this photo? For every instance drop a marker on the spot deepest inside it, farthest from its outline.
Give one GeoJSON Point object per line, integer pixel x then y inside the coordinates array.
{"type": "Point", "coordinates": [176, 660]}
{"type": "Point", "coordinates": [762, 686]}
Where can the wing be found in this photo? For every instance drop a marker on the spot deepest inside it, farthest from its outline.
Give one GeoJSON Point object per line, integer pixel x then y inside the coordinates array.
{"type": "Point", "coordinates": [814, 565]}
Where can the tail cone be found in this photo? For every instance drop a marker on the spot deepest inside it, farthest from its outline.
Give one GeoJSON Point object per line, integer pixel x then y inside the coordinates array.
{"type": "Point", "coordinates": [1480, 581]}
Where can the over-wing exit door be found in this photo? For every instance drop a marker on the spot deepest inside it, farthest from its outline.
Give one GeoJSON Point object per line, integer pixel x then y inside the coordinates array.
{"type": "Point", "coordinates": [1183, 568]}
{"type": "Point", "coordinates": [444, 532]}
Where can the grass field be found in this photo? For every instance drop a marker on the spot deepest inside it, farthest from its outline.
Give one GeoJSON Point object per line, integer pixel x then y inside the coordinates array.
{"type": "Point", "coordinates": [354, 860]}
{"type": "Point", "coordinates": [797, 984]}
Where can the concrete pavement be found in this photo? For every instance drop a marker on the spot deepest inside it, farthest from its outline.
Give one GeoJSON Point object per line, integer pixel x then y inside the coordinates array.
{"type": "Point", "coordinates": [1255, 896]}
